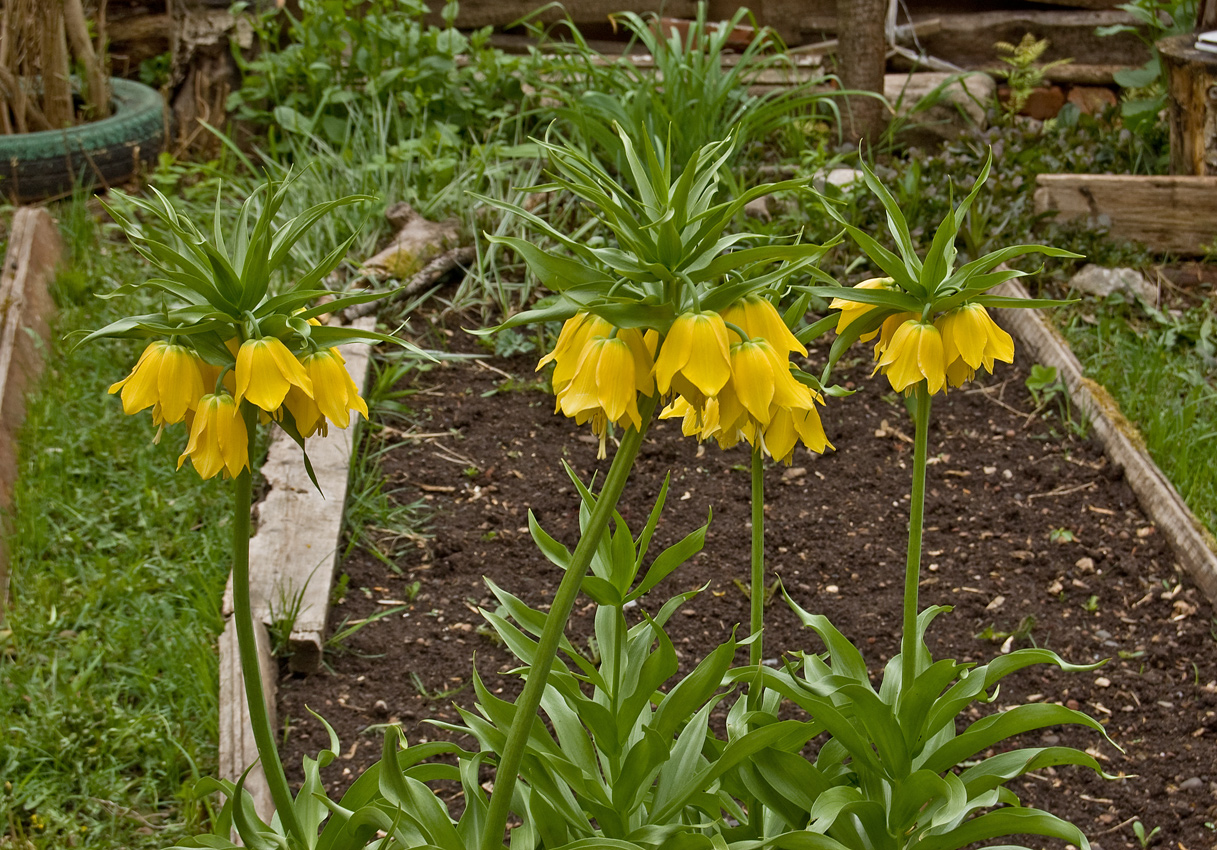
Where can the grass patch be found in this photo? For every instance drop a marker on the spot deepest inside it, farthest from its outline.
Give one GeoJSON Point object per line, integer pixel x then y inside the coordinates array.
{"type": "Point", "coordinates": [108, 672]}
{"type": "Point", "coordinates": [1160, 368]}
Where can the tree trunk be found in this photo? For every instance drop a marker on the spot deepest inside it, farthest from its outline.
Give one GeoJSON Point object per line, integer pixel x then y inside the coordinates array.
{"type": "Point", "coordinates": [1206, 16]}
{"type": "Point", "coordinates": [97, 86]}
{"type": "Point", "coordinates": [204, 72]}
{"type": "Point", "coordinates": [1192, 88]}
{"type": "Point", "coordinates": [862, 58]}
{"type": "Point", "coordinates": [56, 82]}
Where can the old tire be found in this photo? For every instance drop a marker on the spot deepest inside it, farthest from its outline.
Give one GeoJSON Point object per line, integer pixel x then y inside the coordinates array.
{"type": "Point", "coordinates": [50, 163]}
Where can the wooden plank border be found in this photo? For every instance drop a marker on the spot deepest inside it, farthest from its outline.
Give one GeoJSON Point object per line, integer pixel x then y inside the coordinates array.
{"type": "Point", "coordinates": [35, 250]}
{"type": "Point", "coordinates": [1191, 542]}
{"type": "Point", "coordinates": [291, 562]}
{"type": "Point", "coordinates": [1170, 214]}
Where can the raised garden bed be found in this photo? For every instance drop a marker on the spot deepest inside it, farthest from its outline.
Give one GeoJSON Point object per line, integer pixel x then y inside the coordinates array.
{"type": "Point", "coordinates": [1025, 519]}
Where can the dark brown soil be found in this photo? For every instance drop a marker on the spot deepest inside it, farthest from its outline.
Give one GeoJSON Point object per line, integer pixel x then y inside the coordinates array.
{"type": "Point", "coordinates": [1024, 519]}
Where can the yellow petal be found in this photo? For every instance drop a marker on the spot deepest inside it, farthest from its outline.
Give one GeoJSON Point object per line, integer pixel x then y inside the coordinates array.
{"type": "Point", "coordinates": [752, 377]}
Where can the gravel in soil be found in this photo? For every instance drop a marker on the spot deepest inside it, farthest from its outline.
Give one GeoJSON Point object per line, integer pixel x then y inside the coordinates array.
{"type": "Point", "coordinates": [1031, 534]}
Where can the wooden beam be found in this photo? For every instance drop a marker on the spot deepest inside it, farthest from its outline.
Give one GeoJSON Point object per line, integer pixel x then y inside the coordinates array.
{"type": "Point", "coordinates": [34, 251]}
{"type": "Point", "coordinates": [1176, 214]}
{"type": "Point", "coordinates": [293, 554]}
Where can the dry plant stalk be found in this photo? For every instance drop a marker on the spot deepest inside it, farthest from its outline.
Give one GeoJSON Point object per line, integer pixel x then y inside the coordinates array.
{"type": "Point", "coordinates": [35, 66]}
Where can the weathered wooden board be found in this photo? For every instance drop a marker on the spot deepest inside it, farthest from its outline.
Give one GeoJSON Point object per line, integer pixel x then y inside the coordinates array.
{"type": "Point", "coordinates": [293, 553]}
{"type": "Point", "coordinates": [34, 252]}
{"type": "Point", "coordinates": [967, 38]}
{"type": "Point", "coordinates": [1190, 541]}
{"type": "Point", "coordinates": [237, 748]}
{"type": "Point", "coordinates": [1168, 214]}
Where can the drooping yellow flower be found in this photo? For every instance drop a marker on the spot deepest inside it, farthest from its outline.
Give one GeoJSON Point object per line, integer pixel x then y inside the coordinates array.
{"type": "Point", "coordinates": [168, 378]}
{"type": "Point", "coordinates": [266, 370]}
{"type": "Point", "coordinates": [760, 379]}
{"type": "Point", "coordinates": [888, 329]}
{"type": "Point", "coordinates": [789, 425]}
{"type": "Point", "coordinates": [218, 439]}
{"type": "Point", "coordinates": [914, 354]}
{"type": "Point", "coordinates": [970, 334]}
{"type": "Point", "coordinates": [690, 416]}
{"type": "Point", "coordinates": [851, 311]}
{"type": "Point", "coordinates": [759, 319]}
{"type": "Point", "coordinates": [307, 415]}
{"type": "Point", "coordinates": [333, 390]}
{"type": "Point", "coordinates": [575, 334]}
{"type": "Point", "coordinates": [695, 357]}
{"type": "Point", "coordinates": [606, 383]}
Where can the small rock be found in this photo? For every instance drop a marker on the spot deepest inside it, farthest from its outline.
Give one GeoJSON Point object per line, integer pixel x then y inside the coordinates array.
{"type": "Point", "coordinates": [1085, 565]}
{"type": "Point", "coordinates": [832, 588]}
{"type": "Point", "coordinates": [1103, 634]}
{"type": "Point", "coordinates": [381, 708]}
{"type": "Point", "coordinates": [1102, 282]}
{"type": "Point", "coordinates": [1073, 704]}
{"type": "Point", "coordinates": [1102, 682]}
{"type": "Point", "coordinates": [1044, 103]}
{"type": "Point", "coordinates": [689, 612]}
{"type": "Point", "coordinates": [1092, 100]}
{"type": "Point", "coordinates": [1193, 784]}
{"type": "Point", "coordinates": [1007, 474]}
{"type": "Point", "coordinates": [1051, 739]}
{"type": "Point", "coordinates": [997, 602]}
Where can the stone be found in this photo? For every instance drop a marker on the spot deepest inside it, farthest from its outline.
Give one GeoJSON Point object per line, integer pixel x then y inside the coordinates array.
{"type": "Point", "coordinates": [1102, 282]}
{"type": "Point", "coordinates": [959, 102]}
{"type": "Point", "coordinates": [1193, 784]}
{"type": "Point", "coordinates": [1093, 100]}
{"type": "Point", "coordinates": [1044, 103]}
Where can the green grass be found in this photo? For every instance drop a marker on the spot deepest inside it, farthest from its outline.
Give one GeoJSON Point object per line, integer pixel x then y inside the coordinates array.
{"type": "Point", "coordinates": [1160, 369]}
{"type": "Point", "coordinates": [107, 659]}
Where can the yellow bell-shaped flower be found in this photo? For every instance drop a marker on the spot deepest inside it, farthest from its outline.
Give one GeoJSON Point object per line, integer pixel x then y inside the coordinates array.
{"type": "Point", "coordinates": [333, 390]}
{"type": "Point", "coordinates": [759, 319]}
{"type": "Point", "coordinates": [266, 370]}
{"type": "Point", "coordinates": [760, 378]}
{"type": "Point", "coordinates": [307, 415]}
{"type": "Point", "coordinates": [576, 332]}
{"type": "Point", "coordinates": [168, 378]}
{"type": "Point", "coordinates": [970, 334]}
{"type": "Point", "coordinates": [218, 439]}
{"type": "Point", "coordinates": [606, 383]}
{"type": "Point", "coordinates": [789, 425]}
{"type": "Point", "coordinates": [694, 358]}
{"type": "Point", "coordinates": [914, 354]}
{"type": "Point", "coordinates": [852, 311]}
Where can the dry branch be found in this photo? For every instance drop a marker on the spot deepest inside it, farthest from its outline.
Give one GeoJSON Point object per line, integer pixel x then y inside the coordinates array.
{"type": "Point", "coordinates": [427, 276]}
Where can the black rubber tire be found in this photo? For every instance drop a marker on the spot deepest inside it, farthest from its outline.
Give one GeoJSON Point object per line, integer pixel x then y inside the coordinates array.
{"type": "Point", "coordinates": [51, 163]}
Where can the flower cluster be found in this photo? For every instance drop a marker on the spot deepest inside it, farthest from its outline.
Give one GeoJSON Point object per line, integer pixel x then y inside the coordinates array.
{"type": "Point", "coordinates": [947, 349]}
{"type": "Point", "coordinates": [174, 381]}
{"type": "Point", "coordinates": [728, 376]}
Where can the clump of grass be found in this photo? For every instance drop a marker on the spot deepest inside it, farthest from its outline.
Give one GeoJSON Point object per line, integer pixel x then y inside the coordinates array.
{"type": "Point", "coordinates": [107, 658]}
{"type": "Point", "coordinates": [1162, 376]}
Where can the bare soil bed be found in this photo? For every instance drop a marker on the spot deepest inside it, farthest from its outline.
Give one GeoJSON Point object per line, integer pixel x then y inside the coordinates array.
{"type": "Point", "coordinates": [1024, 520]}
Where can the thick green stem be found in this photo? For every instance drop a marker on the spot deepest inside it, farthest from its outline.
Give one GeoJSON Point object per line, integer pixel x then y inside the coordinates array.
{"type": "Point", "coordinates": [251, 670]}
{"type": "Point", "coordinates": [912, 568]}
{"type": "Point", "coordinates": [555, 624]}
{"type": "Point", "coordinates": [757, 588]}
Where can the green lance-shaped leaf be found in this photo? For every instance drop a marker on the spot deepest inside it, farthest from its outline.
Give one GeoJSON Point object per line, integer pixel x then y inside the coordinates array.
{"type": "Point", "coordinates": [1009, 821]}
{"type": "Point", "coordinates": [994, 729]}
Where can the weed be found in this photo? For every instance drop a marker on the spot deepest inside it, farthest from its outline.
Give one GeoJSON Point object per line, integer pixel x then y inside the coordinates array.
{"type": "Point", "coordinates": [431, 696]}
{"type": "Point", "coordinates": [1062, 535]}
{"type": "Point", "coordinates": [1022, 74]}
{"type": "Point", "coordinates": [335, 644]}
{"type": "Point", "coordinates": [1144, 838]}
{"type": "Point", "coordinates": [1091, 604]}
